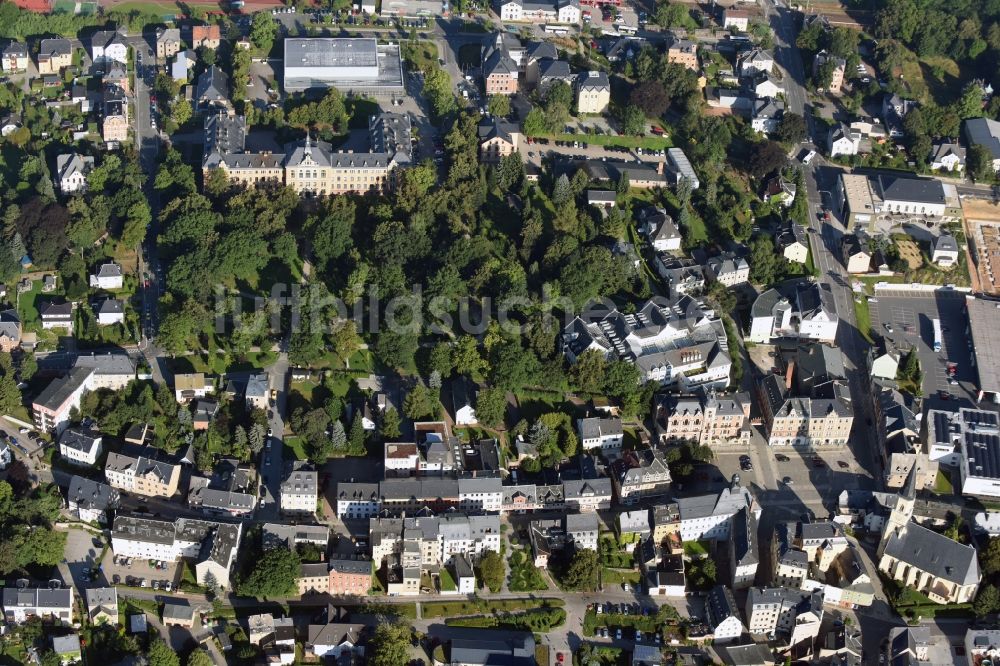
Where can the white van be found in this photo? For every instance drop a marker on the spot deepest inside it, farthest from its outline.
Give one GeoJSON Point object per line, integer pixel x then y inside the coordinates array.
{"type": "Point", "coordinates": [809, 157]}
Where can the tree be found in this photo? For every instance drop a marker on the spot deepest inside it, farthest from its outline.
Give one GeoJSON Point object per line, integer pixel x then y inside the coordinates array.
{"type": "Point", "coordinates": [562, 193]}
{"type": "Point", "coordinates": [161, 654]}
{"type": "Point", "coordinates": [898, 19]}
{"type": "Point", "coordinates": [844, 42]}
{"type": "Point", "coordinates": [274, 575]}
{"type": "Point", "coordinates": [390, 645]}
{"type": "Point", "coordinates": [633, 120]}
{"type": "Point", "coordinates": [651, 97]}
{"type": "Point", "coordinates": [420, 403]}
{"type": "Point", "coordinates": [766, 157]}
{"type": "Point", "coordinates": [987, 601]}
{"type": "Point", "coordinates": [389, 428]}
{"type": "Point", "coordinates": [669, 15]}
{"type": "Point", "coordinates": [989, 557]}
{"type": "Point", "coordinates": [256, 436]}
{"type": "Point", "coordinates": [763, 261]}
{"type": "Point", "coordinates": [438, 90]}
{"type": "Point", "coordinates": [970, 104]}
{"type": "Point", "coordinates": [583, 571]}
{"type": "Point", "coordinates": [491, 407]}
{"type": "Point", "coordinates": [979, 163]}
{"type": "Point", "coordinates": [534, 122]}
{"type": "Point", "coordinates": [587, 374]}
{"type": "Point", "coordinates": [499, 105]}
{"type": "Point", "coordinates": [465, 357]}
{"type": "Point", "coordinates": [263, 29]}
{"type": "Point", "coordinates": [492, 571]}
{"type": "Point", "coordinates": [338, 438]}
{"type": "Point", "coordinates": [10, 395]}
{"type": "Point", "coordinates": [356, 438]}
{"type": "Point", "coordinates": [792, 128]}
{"type": "Point", "coordinates": [199, 657]}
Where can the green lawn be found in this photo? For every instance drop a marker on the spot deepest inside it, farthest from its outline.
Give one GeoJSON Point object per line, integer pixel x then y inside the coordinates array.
{"type": "Point", "coordinates": [447, 582]}
{"type": "Point", "coordinates": [27, 307]}
{"type": "Point", "coordinates": [618, 576]}
{"type": "Point", "coordinates": [420, 55]}
{"type": "Point", "coordinates": [942, 484]}
{"type": "Point", "coordinates": [863, 316]}
{"type": "Point", "coordinates": [696, 549]}
{"type": "Point", "coordinates": [524, 575]}
{"type": "Point", "coordinates": [432, 609]}
{"type": "Point", "coordinates": [296, 447]}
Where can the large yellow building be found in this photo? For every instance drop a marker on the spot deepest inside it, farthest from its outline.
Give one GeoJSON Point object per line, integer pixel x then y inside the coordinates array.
{"type": "Point", "coordinates": [309, 166]}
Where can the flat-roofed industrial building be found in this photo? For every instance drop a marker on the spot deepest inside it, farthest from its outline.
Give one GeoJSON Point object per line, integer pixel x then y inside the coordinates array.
{"type": "Point", "coordinates": [358, 65]}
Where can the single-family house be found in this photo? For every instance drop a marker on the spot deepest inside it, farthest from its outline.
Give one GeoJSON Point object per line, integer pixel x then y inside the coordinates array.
{"type": "Point", "coordinates": [947, 156]}
{"type": "Point", "coordinates": [944, 251]}
{"type": "Point", "coordinates": [110, 311]}
{"type": "Point", "coordinates": [108, 276]}
{"type": "Point", "coordinates": [72, 170]}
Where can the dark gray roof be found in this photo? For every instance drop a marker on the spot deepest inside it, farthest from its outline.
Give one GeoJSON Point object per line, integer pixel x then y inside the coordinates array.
{"type": "Point", "coordinates": [984, 132]}
{"type": "Point", "coordinates": [934, 553]}
{"type": "Point", "coordinates": [351, 566]}
{"type": "Point", "coordinates": [917, 190]}
{"type": "Point", "coordinates": [80, 439]}
{"type": "Point", "coordinates": [492, 647]}
{"type": "Point", "coordinates": [212, 84]}
{"type": "Point", "coordinates": [93, 495]}
{"type": "Point", "coordinates": [745, 537]}
{"type": "Point", "coordinates": [111, 306]}
{"type": "Point", "coordinates": [56, 311]}
{"type": "Point", "coordinates": [59, 390]}
{"type": "Point", "coordinates": [334, 633]}
{"type": "Point", "coordinates": [54, 47]}
{"type": "Point", "coordinates": [721, 605]}
{"type": "Point", "coordinates": [37, 597]}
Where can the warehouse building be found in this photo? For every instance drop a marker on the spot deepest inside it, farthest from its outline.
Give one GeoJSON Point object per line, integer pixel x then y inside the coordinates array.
{"type": "Point", "coordinates": [351, 65]}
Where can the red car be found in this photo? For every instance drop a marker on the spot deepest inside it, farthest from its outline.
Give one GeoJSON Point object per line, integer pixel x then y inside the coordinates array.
{"type": "Point", "coordinates": [559, 657]}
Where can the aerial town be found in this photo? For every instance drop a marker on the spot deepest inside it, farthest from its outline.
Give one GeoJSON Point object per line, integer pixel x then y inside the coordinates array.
{"type": "Point", "coordinates": [555, 332]}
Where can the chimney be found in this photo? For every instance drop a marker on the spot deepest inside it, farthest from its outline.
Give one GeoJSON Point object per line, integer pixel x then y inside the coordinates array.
{"type": "Point", "coordinates": [789, 372]}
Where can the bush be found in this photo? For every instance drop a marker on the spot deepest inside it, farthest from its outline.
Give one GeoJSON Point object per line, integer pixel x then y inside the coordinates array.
{"type": "Point", "coordinates": [538, 620]}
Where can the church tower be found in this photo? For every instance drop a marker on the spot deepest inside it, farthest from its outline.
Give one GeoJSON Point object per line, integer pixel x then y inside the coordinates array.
{"type": "Point", "coordinates": [902, 512]}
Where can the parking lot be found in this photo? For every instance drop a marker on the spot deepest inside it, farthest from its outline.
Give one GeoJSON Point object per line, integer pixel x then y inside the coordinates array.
{"type": "Point", "coordinates": [910, 314]}
{"type": "Point", "coordinates": [117, 571]}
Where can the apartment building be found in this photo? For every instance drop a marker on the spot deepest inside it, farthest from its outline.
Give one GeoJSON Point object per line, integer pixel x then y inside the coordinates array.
{"type": "Point", "coordinates": [822, 542]}
{"type": "Point", "coordinates": [21, 603]}
{"type": "Point", "coordinates": [433, 541]}
{"type": "Point", "coordinates": [498, 138]}
{"type": "Point", "coordinates": [146, 475]}
{"type": "Point", "coordinates": [743, 549]}
{"type": "Point", "coordinates": [358, 501]}
{"type": "Point", "coordinates": [299, 490]}
{"type": "Point", "coordinates": [605, 434]}
{"type": "Point", "coordinates": [350, 577]}
{"type": "Point", "coordinates": [54, 55]}
{"type": "Point", "coordinates": [777, 610]}
{"type": "Point", "coordinates": [80, 446]}
{"type": "Point", "coordinates": [806, 312]}
{"type": "Point", "coordinates": [51, 408]}
{"type": "Point", "coordinates": [585, 495]}
{"type": "Point", "coordinates": [676, 342]}
{"type": "Point", "coordinates": [89, 500]}
{"type": "Point", "coordinates": [210, 545]}
{"type": "Point", "coordinates": [500, 67]}
{"type": "Point", "coordinates": [793, 419]}
{"type": "Point", "coordinates": [708, 419]}
{"type": "Point", "coordinates": [593, 92]}
{"type": "Point", "coordinates": [710, 517]}
{"type": "Point", "coordinates": [480, 495]}
{"type": "Point", "coordinates": [314, 578]}
{"type": "Point", "coordinates": [640, 474]}
{"type": "Point", "coordinates": [683, 52]}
